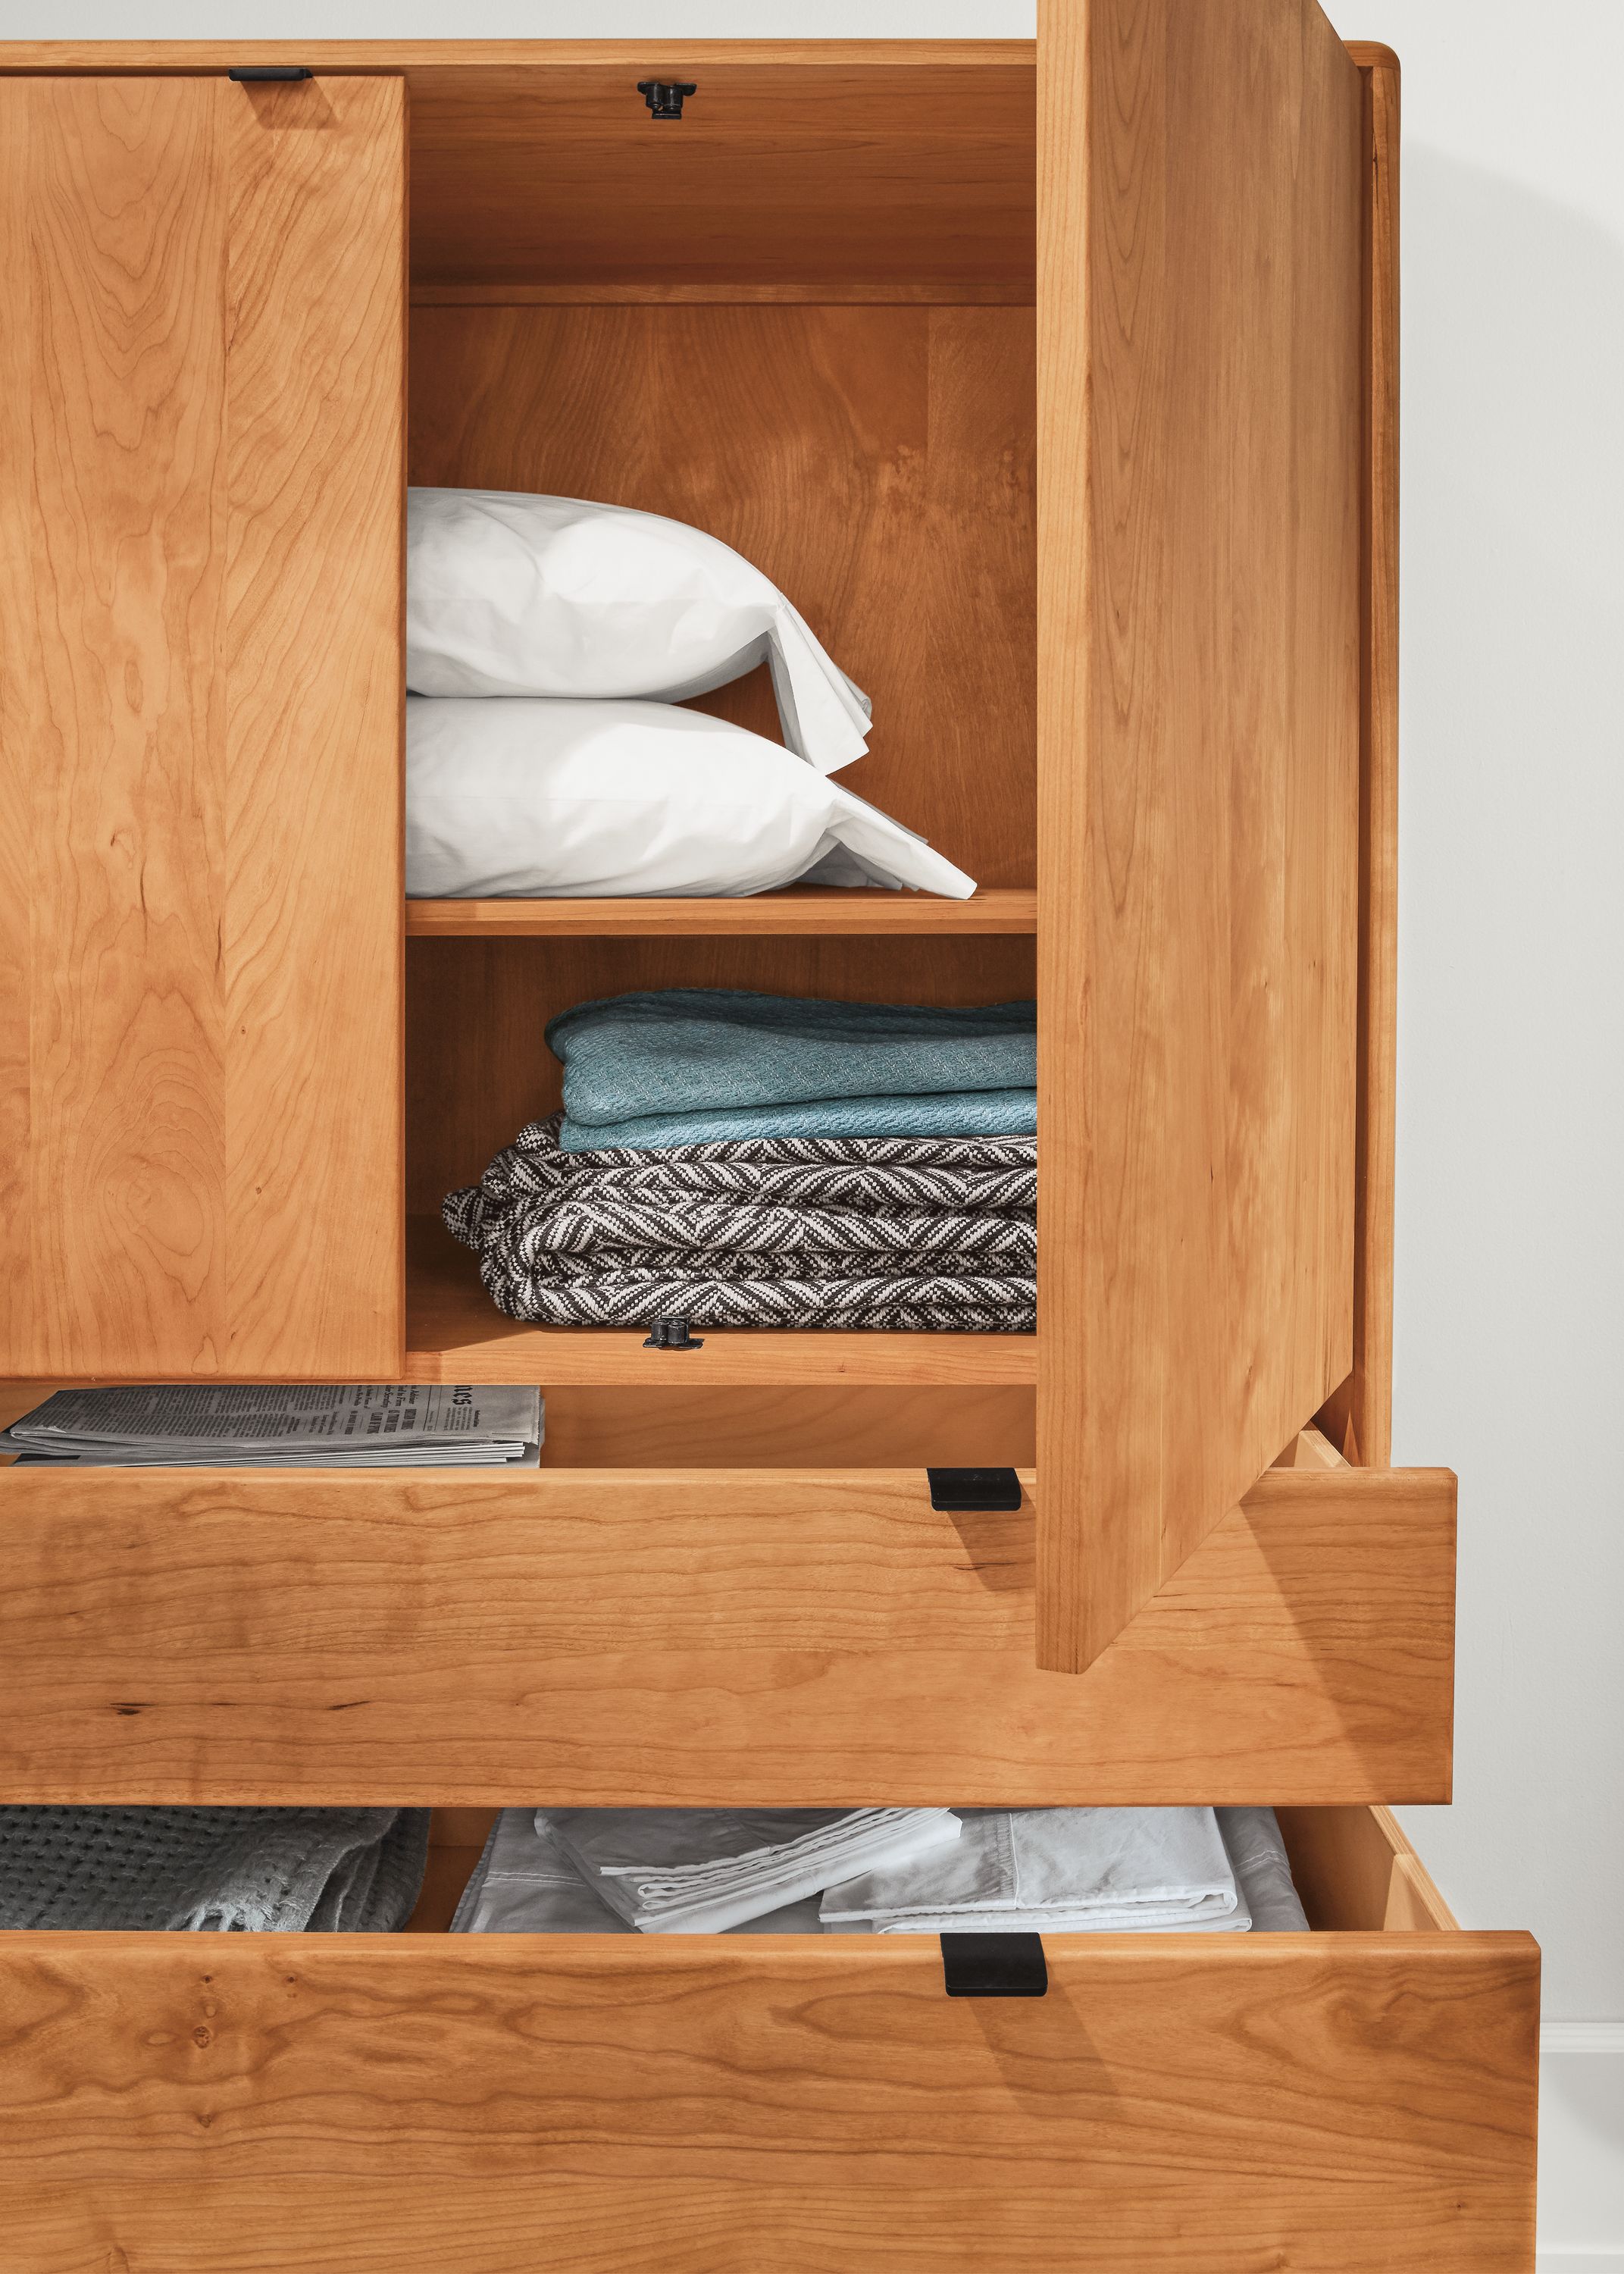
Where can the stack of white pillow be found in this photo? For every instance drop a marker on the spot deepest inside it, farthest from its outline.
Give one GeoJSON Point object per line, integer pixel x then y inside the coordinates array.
{"type": "Point", "coordinates": [589, 624]}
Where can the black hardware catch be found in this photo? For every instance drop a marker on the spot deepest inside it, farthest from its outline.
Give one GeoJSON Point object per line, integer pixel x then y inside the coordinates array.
{"type": "Point", "coordinates": [994, 1966]}
{"type": "Point", "coordinates": [252, 74]}
{"type": "Point", "coordinates": [964, 1491]}
{"type": "Point", "coordinates": [664, 96]}
{"type": "Point", "coordinates": [672, 1334]}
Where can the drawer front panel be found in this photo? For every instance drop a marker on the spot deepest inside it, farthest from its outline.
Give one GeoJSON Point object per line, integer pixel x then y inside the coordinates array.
{"type": "Point", "coordinates": [647, 1638]}
{"type": "Point", "coordinates": [1327, 2102]}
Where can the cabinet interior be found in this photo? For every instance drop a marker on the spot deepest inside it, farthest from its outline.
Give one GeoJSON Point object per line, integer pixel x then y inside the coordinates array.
{"type": "Point", "coordinates": [802, 317]}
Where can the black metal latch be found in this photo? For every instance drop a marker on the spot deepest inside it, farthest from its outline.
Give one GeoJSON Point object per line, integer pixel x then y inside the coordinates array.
{"type": "Point", "coordinates": [964, 1491]}
{"type": "Point", "coordinates": [255, 75]}
{"type": "Point", "coordinates": [994, 1966]}
{"type": "Point", "coordinates": [664, 96]}
{"type": "Point", "coordinates": [672, 1334]}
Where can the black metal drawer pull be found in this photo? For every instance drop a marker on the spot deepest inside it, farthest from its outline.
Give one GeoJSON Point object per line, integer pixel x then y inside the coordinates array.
{"type": "Point", "coordinates": [964, 1492]}
{"type": "Point", "coordinates": [994, 1966]}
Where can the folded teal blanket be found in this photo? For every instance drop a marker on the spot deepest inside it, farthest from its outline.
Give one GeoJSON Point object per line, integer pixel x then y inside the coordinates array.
{"type": "Point", "coordinates": [972, 1113]}
{"type": "Point", "coordinates": [690, 1064]}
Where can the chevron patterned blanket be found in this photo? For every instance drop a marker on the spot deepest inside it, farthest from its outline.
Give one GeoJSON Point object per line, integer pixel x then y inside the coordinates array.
{"type": "Point", "coordinates": [906, 1233]}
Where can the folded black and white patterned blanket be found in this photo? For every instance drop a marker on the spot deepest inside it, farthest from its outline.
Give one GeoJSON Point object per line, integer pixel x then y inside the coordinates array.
{"type": "Point", "coordinates": [906, 1233]}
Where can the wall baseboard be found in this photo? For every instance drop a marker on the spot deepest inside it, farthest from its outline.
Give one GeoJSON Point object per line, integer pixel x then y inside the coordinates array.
{"type": "Point", "coordinates": [1582, 2148]}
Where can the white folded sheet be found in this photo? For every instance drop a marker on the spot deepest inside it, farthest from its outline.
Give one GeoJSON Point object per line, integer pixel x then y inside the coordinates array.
{"type": "Point", "coordinates": [1258, 1856]}
{"type": "Point", "coordinates": [524, 1884]}
{"type": "Point", "coordinates": [700, 1870]}
{"type": "Point", "coordinates": [1063, 1870]}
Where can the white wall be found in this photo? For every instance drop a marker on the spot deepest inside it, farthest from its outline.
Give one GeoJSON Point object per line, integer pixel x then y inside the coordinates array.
{"type": "Point", "coordinates": [1510, 1341]}
{"type": "Point", "coordinates": [1510, 1318]}
{"type": "Point", "coordinates": [1510, 1327]}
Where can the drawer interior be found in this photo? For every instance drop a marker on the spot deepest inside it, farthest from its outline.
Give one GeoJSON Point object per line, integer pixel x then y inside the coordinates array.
{"type": "Point", "coordinates": [1355, 1870]}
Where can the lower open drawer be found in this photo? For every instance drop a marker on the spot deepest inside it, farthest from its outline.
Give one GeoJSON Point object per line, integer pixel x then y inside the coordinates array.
{"type": "Point", "coordinates": [1355, 2098]}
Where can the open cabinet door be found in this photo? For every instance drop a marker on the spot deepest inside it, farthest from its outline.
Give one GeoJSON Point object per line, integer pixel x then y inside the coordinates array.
{"type": "Point", "coordinates": [201, 368]}
{"type": "Point", "coordinates": [1200, 438]}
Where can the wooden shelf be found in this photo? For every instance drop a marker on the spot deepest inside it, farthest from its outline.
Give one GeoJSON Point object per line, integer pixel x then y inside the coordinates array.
{"type": "Point", "coordinates": [454, 1333]}
{"type": "Point", "coordinates": [806, 910]}
{"type": "Point", "coordinates": [886, 292]}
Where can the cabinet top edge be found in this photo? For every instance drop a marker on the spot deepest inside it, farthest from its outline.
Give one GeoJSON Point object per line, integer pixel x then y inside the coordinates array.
{"type": "Point", "coordinates": [388, 56]}
{"type": "Point", "coordinates": [19, 57]}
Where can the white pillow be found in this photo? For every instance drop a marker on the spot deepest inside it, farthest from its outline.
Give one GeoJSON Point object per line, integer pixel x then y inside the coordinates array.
{"type": "Point", "coordinates": [574, 800]}
{"type": "Point", "coordinates": [511, 594]}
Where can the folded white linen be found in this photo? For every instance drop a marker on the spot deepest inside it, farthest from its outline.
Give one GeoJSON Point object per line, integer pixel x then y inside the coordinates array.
{"type": "Point", "coordinates": [524, 1884]}
{"type": "Point", "coordinates": [1063, 1870]}
{"type": "Point", "coordinates": [700, 1870]}
{"type": "Point", "coordinates": [1262, 1869]}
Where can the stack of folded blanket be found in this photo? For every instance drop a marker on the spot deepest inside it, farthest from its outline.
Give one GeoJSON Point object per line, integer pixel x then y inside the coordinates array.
{"type": "Point", "coordinates": [927, 1872]}
{"type": "Point", "coordinates": [750, 1160]}
{"type": "Point", "coordinates": [287, 1871]}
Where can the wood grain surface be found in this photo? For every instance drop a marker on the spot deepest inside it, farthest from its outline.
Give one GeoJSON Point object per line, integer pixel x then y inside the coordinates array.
{"type": "Point", "coordinates": [478, 1066]}
{"type": "Point", "coordinates": [875, 463]}
{"type": "Point", "coordinates": [1176, 2102]}
{"type": "Point", "coordinates": [622, 2225]}
{"type": "Point", "coordinates": [697, 1638]}
{"type": "Point", "coordinates": [200, 453]}
{"type": "Point", "coordinates": [1200, 421]}
{"type": "Point", "coordinates": [801, 909]}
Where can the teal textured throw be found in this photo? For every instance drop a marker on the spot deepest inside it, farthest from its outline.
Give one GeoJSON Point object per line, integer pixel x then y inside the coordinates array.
{"type": "Point", "coordinates": [691, 1064]}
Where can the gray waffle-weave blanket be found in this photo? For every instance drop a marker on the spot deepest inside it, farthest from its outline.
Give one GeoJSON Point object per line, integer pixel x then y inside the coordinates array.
{"type": "Point", "coordinates": [322, 1870]}
{"type": "Point", "coordinates": [908, 1233]}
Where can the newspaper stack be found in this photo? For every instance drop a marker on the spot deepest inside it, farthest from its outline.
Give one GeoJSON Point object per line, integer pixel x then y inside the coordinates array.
{"type": "Point", "coordinates": [235, 1426]}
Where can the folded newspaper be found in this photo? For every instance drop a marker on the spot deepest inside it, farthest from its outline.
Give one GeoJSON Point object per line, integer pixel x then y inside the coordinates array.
{"type": "Point", "coordinates": [294, 1425]}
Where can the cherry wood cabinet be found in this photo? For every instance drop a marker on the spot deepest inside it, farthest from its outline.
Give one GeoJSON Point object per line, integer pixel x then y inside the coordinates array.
{"type": "Point", "coordinates": [1058, 385]}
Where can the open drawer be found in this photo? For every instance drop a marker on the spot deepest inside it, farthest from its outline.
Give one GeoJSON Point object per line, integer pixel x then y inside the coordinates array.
{"type": "Point", "coordinates": [699, 1636]}
{"type": "Point", "coordinates": [1358, 2098]}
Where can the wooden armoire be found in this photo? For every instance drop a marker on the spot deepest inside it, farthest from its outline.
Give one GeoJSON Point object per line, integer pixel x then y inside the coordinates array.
{"type": "Point", "coordinates": [1057, 386]}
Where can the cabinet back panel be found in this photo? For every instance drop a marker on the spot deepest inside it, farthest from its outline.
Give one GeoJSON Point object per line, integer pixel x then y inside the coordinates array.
{"type": "Point", "coordinates": [477, 1069]}
{"type": "Point", "coordinates": [876, 462]}
{"type": "Point", "coordinates": [684, 1427]}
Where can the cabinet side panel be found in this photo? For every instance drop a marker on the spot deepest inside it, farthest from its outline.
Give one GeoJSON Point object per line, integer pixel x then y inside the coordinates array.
{"type": "Point", "coordinates": [1372, 1410]}
{"type": "Point", "coordinates": [113, 756]}
{"type": "Point", "coordinates": [1200, 439]}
